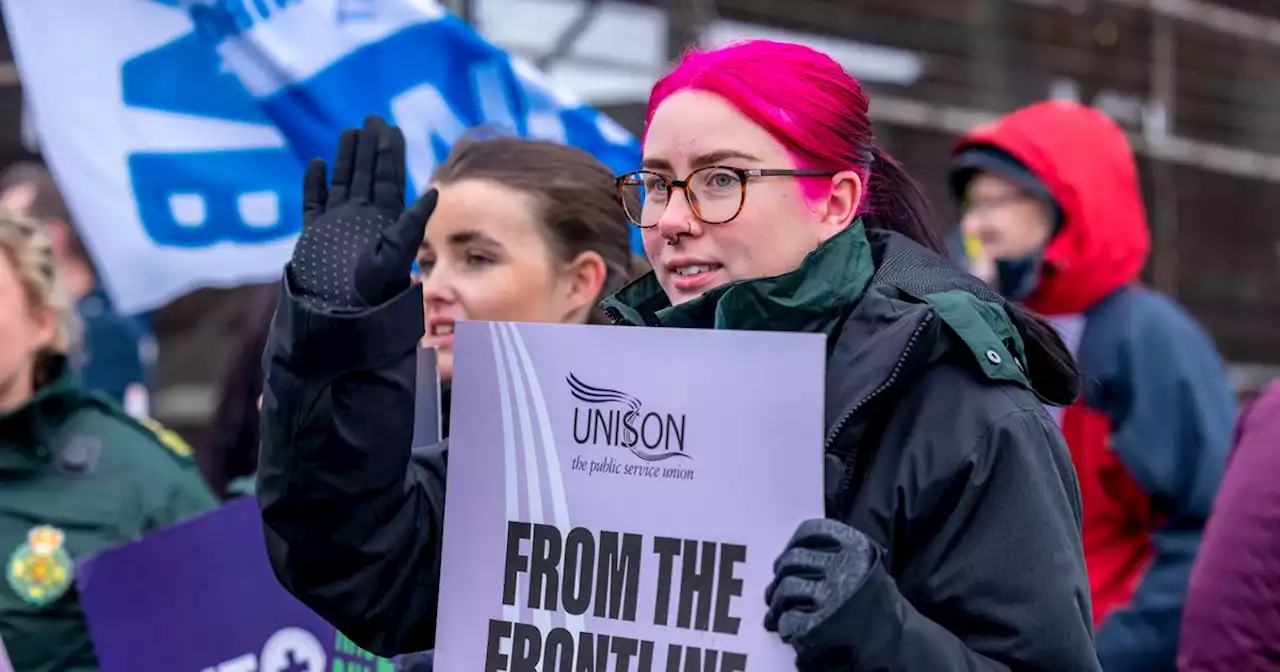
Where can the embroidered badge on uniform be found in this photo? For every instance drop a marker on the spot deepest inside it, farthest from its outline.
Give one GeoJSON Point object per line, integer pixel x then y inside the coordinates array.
{"type": "Point", "coordinates": [40, 571]}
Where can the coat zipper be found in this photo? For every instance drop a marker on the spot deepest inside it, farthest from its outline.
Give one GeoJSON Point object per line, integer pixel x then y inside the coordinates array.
{"type": "Point", "coordinates": [615, 316]}
{"type": "Point", "coordinates": [851, 459]}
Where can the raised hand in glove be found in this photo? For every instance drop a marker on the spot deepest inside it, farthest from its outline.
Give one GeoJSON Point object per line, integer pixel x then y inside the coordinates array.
{"type": "Point", "coordinates": [815, 580]}
{"type": "Point", "coordinates": [358, 242]}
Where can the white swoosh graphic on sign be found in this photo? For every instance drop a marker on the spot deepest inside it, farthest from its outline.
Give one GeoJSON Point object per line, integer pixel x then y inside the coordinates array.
{"type": "Point", "coordinates": [529, 446]}
{"type": "Point", "coordinates": [550, 452]}
{"type": "Point", "coordinates": [510, 613]}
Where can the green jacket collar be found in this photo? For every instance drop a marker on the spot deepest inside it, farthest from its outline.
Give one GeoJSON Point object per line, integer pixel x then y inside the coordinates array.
{"type": "Point", "coordinates": [811, 298]}
{"type": "Point", "coordinates": [29, 430]}
{"type": "Point", "coordinates": [869, 280]}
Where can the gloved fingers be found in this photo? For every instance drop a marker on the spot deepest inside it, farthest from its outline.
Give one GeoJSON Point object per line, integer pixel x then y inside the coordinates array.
{"type": "Point", "coordinates": [790, 594]}
{"type": "Point", "coordinates": [822, 534]}
{"type": "Point", "coordinates": [315, 191]}
{"type": "Point", "coordinates": [388, 174]}
{"type": "Point", "coordinates": [366, 160]}
{"type": "Point", "coordinates": [343, 165]}
{"type": "Point", "coordinates": [385, 267]}
{"type": "Point", "coordinates": [412, 225]}
{"type": "Point", "coordinates": [792, 624]}
{"type": "Point", "coordinates": [805, 563]}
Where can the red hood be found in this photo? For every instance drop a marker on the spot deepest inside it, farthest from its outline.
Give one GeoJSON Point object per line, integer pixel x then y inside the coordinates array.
{"type": "Point", "coordinates": [1084, 159]}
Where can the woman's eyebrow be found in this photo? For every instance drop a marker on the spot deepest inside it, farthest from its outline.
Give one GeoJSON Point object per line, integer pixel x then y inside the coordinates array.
{"type": "Point", "coordinates": [472, 237]}
{"type": "Point", "coordinates": [701, 160]}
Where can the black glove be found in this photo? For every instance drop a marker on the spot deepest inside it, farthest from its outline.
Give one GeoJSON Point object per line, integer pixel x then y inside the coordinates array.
{"type": "Point", "coordinates": [824, 565]}
{"type": "Point", "coordinates": [358, 242]}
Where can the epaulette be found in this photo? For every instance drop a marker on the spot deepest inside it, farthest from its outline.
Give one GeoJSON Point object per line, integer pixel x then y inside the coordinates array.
{"type": "Point", "coordinates": [169, 439]}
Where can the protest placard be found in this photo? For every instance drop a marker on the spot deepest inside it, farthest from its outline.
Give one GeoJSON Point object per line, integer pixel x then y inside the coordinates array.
{"type": "Point", "coordinates": [201, 597]}
{"type": "Point", "coordinates": [617, 496]}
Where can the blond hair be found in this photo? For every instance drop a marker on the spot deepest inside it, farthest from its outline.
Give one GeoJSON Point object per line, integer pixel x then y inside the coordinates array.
{"type": "Point", "coordinates": [25, 243]}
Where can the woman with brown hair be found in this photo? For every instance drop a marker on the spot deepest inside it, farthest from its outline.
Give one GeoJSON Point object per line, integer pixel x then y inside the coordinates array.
{"type": "Point", "coordinates": [520, 230]}
{"type": "Point", "coordinates": [524, 231]}
{"type": "Point", "coordinates": [516, 228]}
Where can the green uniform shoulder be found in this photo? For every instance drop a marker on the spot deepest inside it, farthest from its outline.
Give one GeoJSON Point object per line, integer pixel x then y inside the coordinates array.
{"type": "Point", "coordinates": [103, 416]}
{"type": "Point", "coordinates": [150, 452]}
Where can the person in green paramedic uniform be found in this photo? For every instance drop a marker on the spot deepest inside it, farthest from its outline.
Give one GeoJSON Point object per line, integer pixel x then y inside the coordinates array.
{"type": "Point", "coordinates": [77, 474]}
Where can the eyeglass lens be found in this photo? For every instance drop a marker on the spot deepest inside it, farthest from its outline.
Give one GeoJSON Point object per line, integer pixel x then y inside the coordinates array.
{"type": "Point", "coordinates": [715, 194]}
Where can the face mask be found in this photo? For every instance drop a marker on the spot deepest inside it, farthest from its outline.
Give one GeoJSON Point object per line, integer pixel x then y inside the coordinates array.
{"type": "Point", "coordinates": [1017, 278]}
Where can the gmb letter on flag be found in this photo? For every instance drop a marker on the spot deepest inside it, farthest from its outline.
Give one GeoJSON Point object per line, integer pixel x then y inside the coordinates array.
{"type": "Point", "coordinates": [179, 128]}
{"type": "Point", "coordinates": [617, 497]}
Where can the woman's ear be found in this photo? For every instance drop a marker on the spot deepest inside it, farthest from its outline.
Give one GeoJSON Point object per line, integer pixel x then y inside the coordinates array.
{"type": "Point", "coordinates": [46, 324]}
{"type": "Point", "coordinates": [582, 280]}
{"type": "Point", "coordinates": [843, 202]}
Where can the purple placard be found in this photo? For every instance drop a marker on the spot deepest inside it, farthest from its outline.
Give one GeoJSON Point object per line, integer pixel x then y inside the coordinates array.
{"type": "Point", "coordinates": [201, 597]}
{"type": "Point", "coordinates": [712, 439]}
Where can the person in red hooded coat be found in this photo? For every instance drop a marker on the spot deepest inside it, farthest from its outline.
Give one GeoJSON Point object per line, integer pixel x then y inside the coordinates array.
{"type": "Point", "coordinates": [1050, 195]}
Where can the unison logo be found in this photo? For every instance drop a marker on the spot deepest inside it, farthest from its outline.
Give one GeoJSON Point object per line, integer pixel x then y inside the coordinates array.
{"type": "Point", "coordinates": [614, 418]}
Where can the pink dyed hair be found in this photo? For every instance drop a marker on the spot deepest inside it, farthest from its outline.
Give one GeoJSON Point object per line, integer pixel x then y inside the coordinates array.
{"type": "Point", "coordinates": [815, 109]}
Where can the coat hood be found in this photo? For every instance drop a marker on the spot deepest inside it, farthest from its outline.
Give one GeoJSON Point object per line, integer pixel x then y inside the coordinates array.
{"type": "Point", "coordinates": [1085, 161]}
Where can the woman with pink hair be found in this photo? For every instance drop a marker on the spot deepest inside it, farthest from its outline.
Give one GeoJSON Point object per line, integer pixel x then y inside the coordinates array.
{"type": "Point", "coordinates": [952, 537]}
{"type": "Point", "coordinates": [952, 532]}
